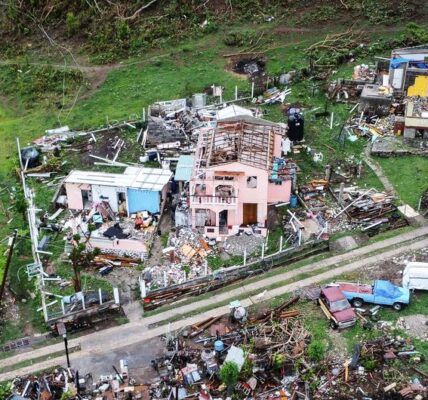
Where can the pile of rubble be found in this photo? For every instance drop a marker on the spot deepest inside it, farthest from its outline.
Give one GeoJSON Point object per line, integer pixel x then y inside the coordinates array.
{"type": "Point", "coordinates": [371, 373]}
{"type": "Point", "coordinates": [270, 356]}
{"type": "Point", "coordinates": [246, 242]}
{"type": "Point", "coordinates": [66, 383]}
{"type": "Point", "coordinates": [185, 258]}
{"type": "Point", "coordinates": [373, 127]}
{"type": "Point", "coordinates": [367, 207]}
{"type": "Point", "coordinates": [364, 72]}
{"type": "Point", "coordinates": [262, 348]}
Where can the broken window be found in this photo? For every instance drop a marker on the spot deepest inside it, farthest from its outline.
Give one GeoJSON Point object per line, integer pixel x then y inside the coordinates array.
{"type": "Point", "coordinates": [200, 189]}
{"type": "Point", "coordinates": [252, 182]}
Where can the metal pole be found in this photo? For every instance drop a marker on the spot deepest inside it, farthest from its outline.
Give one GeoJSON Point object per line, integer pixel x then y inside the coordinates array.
{"type": "Point", "coordinates": [252, 89]}
{"type": "Point", "coordinates": [263, 251]}
{"type": "Point", "coordinates": [66, 349]}
{"type": "Point", "coordinates": [245, 256]}
{"type": "Point", "coordinates": [280, 243]}
{"type": "Point", "coordinates": [236, 92]}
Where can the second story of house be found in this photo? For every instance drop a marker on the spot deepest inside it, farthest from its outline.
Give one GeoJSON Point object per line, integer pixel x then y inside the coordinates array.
{"type": "Point", "coordinates": [240, 161]}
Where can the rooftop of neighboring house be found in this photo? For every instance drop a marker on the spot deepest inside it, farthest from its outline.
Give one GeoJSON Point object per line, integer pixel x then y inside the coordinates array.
{"type": "Point", "coordinates": [153, 179]}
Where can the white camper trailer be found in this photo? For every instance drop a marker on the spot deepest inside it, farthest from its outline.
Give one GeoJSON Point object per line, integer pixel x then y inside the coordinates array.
{"type": "Point", "coordinates": [415, 276]}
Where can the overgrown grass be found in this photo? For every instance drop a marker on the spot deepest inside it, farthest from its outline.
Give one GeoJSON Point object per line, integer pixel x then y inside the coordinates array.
{"type": "Point", "coordinates": [408, 175]}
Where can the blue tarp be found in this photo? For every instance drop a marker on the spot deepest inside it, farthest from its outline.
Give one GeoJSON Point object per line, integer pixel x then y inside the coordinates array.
{"type": "Point", "coordinates": [396, 62]}
{"type": "Point", "coordinates": [143, 200]}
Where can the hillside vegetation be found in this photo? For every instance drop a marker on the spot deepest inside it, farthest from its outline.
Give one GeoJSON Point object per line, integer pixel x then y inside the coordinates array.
{"type": "Point", "coordinates": [111, 29]}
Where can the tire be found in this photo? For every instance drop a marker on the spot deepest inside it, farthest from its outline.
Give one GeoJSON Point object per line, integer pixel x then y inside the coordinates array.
{"type": "Point", "coordinates": [397, 306]}
{"type": "Point", "coordinates": [357, 302]}
{"type": "Point", "coordinates": [333, 325]}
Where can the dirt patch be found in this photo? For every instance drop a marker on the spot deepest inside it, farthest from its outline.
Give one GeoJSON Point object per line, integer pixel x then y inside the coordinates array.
{"type": "Point", "coordinates": [415, 325]}
{"type": "Point", "coordinates": [282, 30]}
{"type": "Point", "coordinates": [392, 268]}
{"type": "Point", "coordinates": [249, 66]}
{"type": "Point", "coordinates": [96, 76]}
{"type": "Point", "coordinates": [338, 345]}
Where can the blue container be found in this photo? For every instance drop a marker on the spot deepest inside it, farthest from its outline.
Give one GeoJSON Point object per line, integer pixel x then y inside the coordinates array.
{"type": "Point", "coordinates": [293, 201]}
{"type": "Point", "coordinates": [218, 345]}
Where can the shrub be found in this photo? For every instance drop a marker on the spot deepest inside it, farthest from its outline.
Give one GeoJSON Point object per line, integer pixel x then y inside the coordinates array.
{"type": "Point", "coordinates": [414, 34]}
{"type": "Point", "coordinates": [229, 373]}
{"type": "Point", "coordinates": [278, 360]}
{"type": "Point", "coordinates": [72, 23]}
{"type": "Point", "coordinates": [316, 350]}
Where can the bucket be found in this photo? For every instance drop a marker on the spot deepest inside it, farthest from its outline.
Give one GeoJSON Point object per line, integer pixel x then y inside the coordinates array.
{"type": "Point", "coordinates": [293, 201]}
{"type": "Point", "coordinates": [218, 345]}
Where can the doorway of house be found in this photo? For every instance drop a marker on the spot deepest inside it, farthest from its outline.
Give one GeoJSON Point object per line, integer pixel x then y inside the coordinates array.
{"type": "Point", "coordinates": [121, 203]}
{"type": "Point", "coordinates": [222, 222]}
{"type": "Point", "coordinates": [86, 199]}
{"type": "Point", "coordinates": [249, 214]}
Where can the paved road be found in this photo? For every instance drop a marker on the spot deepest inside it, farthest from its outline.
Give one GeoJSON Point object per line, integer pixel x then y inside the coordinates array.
{"type": "Point", "coordinates": [136, 334]}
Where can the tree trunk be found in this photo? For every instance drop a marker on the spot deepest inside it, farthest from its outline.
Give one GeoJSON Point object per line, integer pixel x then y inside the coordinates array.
{"type": "Point", "coordinates": [77, 280]}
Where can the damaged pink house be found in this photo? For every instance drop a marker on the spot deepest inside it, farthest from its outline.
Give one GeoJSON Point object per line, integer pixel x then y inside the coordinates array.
{"type": "Point", "coordinates": [238, 173]}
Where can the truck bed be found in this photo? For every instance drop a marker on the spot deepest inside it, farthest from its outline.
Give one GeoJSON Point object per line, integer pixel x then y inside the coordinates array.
{"type": "Point", "coordinates": [355, 288]}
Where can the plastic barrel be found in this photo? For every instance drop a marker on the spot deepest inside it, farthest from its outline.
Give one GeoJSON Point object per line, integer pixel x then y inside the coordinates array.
{"type": "Point", "coordinates": [293, 201]}
{"type": "Point", "coordinates": [218, 345]}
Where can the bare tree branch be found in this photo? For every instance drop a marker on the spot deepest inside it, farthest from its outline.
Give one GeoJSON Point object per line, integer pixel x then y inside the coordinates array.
{"type": "Point", "coordinates": [133, 16]}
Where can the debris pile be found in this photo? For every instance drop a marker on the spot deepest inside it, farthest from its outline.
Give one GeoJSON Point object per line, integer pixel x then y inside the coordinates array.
{"type": "Point", "coordinates": [372, 127]}
{"type": "Point", "coordinates": [66, 383]}
{"type": "Point", "coordinates": [270, 353]}
{"type": "Point", "coordinates": [185, 258]}
{"type": "Point", "coordinates": [364, 72]}
{"type": "Point", "coordinates": [382, 368]}
{"type": "Point", "coordinates": [264, 350]}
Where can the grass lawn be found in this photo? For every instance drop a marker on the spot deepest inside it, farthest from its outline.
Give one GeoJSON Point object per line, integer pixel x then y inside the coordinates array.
{"type": "Point", "coordinates": [409, 175]}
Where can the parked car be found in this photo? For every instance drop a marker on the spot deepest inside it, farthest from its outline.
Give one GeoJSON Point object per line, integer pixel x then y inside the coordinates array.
{"type": "Point", "coordinates": [380, 292]}
{"type": "Point", "coordinates": [337, 308]}
{"type": "Point", "coordinates": [415, 276]}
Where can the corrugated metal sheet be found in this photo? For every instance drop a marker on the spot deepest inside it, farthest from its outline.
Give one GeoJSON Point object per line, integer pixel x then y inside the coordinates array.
{"type": "Point", "coordinates": [139, 178]}
{"type": "Point", "coordinates": [143, 200]}
{"type": "Point", "coordinates": [184, 168]}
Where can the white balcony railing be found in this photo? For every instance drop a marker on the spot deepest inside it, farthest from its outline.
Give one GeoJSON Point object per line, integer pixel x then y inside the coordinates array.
{"type": "Point", "coordinates": [208, 200]}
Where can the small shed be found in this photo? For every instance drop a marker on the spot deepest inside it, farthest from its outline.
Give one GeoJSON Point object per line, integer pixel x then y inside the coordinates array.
{"type": "Point", "coordinates": [137, 189]}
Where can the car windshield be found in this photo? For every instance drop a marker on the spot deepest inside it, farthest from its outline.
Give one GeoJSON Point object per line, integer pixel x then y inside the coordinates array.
{"type": "Point", "coordinates": [339, 305]}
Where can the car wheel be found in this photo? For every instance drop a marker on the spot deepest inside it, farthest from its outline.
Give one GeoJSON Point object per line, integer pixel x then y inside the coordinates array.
{"type": "Point", "coordinates": [333, 325]}
{"type": "Point", "coordinates": [397, 306]}
{"type": "Point", "coordinates": [357, 303]}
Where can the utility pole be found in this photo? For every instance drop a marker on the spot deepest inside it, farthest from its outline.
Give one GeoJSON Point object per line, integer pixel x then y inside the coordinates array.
{"type": "Point", "coordinates": [9, 259]}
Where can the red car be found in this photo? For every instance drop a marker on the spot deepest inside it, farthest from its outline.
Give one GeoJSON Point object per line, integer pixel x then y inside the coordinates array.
{"type": "Point", "coordinates": [337, 308]}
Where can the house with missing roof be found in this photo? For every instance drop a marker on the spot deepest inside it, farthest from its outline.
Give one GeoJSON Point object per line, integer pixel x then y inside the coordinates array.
{"type": "Point", "coordinates": [238, 172]}
{"type": "Point", "coordinates": [135, 190]}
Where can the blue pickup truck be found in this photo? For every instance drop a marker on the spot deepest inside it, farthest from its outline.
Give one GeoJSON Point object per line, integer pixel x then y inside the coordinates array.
{"type": "Point", "coordinates": [381, 292]}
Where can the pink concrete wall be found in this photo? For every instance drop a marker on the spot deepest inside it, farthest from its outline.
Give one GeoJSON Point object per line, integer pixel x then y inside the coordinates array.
{"type": "Point", "coordinates": [279, 193]}
{"type": "Point", "coordinates": [257, 195]}
{"type": "Point", "coordinates": [277, 146]}
{"type": "Point", "coordinates": [74, 195]}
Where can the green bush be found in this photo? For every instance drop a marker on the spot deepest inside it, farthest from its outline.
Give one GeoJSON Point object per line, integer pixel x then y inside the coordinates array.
{"type": "Point", "coordinates": [229, 373]}
{"type": "Point", "coordinates": [414, 34]}
{"type": "Point", "coordinates": [72, 23]}
{"type": "Point", "coordinates": [316, 350]}
{"type": "Point", "coordinates": [278, 360]}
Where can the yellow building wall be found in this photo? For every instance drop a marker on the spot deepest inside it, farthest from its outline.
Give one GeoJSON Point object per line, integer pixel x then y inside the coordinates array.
{"type": "Point", "coordinates": [420, 88]}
